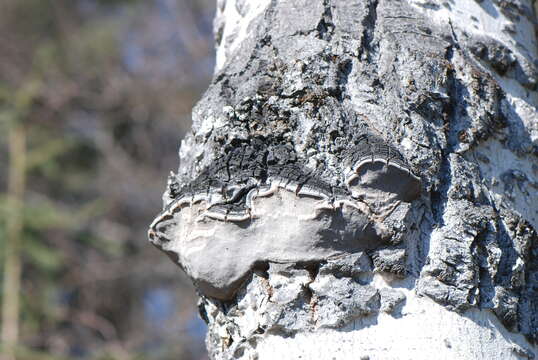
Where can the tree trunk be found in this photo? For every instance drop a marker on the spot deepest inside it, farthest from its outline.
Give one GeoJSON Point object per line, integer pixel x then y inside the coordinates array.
{"type": "Point", "coordinates": [361, 182]}
{"type": "Point", "coordinates": [12, 243]}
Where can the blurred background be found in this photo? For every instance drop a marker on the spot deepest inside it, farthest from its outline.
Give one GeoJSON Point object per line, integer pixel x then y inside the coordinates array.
{"type": "Point", "coordinates": [95, 96]}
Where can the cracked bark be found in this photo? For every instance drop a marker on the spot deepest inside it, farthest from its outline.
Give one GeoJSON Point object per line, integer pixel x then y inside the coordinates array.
{"type": "Point", "coordinates": [360, 182]}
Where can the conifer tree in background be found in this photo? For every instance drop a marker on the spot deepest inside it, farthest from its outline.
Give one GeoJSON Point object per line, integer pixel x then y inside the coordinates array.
{"type": "Point", "coordinates": [87, 87]}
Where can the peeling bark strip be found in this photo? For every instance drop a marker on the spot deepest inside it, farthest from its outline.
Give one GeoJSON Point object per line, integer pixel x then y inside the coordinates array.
{"type": "Point", "coordinates": [363, 168]}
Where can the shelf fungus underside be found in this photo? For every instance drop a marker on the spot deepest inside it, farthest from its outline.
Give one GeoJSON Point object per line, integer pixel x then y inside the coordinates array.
{"type": "Point", "coordinates": [219, 230]}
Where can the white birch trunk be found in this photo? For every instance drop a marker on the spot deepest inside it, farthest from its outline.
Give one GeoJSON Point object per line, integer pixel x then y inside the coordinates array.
{"type": "Point", "coordinates": [361, 182]}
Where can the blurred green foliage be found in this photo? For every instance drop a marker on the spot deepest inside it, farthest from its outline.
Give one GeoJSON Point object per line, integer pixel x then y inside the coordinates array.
{"type": "Point", "coordinates": [101, 139]}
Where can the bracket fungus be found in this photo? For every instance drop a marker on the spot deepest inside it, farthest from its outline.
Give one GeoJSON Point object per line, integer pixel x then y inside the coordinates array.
{"type": "Point", "coordinates": [219, 228]}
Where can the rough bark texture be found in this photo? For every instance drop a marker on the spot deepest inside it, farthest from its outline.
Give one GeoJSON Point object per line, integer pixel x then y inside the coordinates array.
{"type": "Point", "coordinates": [361, 171]}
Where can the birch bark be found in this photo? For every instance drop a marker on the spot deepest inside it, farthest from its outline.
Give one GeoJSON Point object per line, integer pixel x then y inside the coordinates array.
{"type": "Point", "coordinates": [361, 182]}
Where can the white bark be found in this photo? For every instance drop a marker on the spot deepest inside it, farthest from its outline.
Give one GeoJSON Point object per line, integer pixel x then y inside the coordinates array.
{"type": "Point", "coordinates": [361, 182]}
{"type": "Point", "coordinates": [422, 330]}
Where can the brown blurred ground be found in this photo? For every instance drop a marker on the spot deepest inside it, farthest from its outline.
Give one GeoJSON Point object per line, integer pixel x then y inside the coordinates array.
{"type": "Point", "coordinates": [101, 92]}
